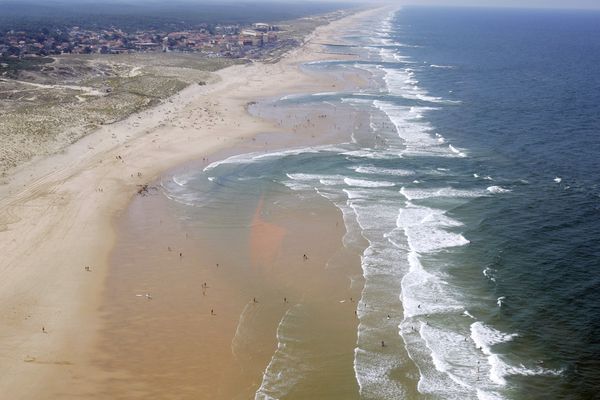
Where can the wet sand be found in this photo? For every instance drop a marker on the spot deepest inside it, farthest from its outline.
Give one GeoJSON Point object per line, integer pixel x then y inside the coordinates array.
{"type": "Point", "coordinates": [218, 295]}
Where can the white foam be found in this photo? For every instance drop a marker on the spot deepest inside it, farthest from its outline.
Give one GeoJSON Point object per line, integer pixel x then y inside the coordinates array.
{"type": "Point", "coordinates": [430, 239]}
{"type": "Point", "coordinates": [416, 134]}
{"type": "Point", "coordinates": [500, 369]}
{"type": "Point", "coordinates": [558, 179]}
{"type": "Point", "coordinates": [296, 96]}
{"type": "Point", "coordinates": [288, 364]}
{"type": "Point", "coordinates": [354, 100]}
{"type": "Point", "coordinates": [388, 55]}
{"type": "Point", "coordinates": [296, 186]}
{"type": "Point", "coordinates": [180, 181]}
{"type": "Point", "coordinates": [374, 218]}
{"type": "Point", "coordinates": [456, 151]}
{"type": "Point", "coordinates": [421, 290]}
{"type": "Point", "coordinates": [372, 154]}
{"type": "Point", "coordinates": [242, 337]}
{"type": "Point", "coordinates": [331, 182]}
{"type": "Point", "coordinates": [485, 336]}
{"type": "Point", "coordinates": [249, 158]}
{"type": "Point", "coordinates": [443, 348]}
{"type": "Point", "coordinates": [497, 189]}
{"type": "Point", "coordinates": [418, 194]}
{"type": "Point", "coordinates": [441, 66]}
{"type": "Point", "coordinates": [396, 81]}
{"type": "Point", "coordinates": [490, 274]}
{"type": "Point", "coordinates": [238, 159]}
{"type": "Point", "coordinates": [323, 179]}
{"type": "Point", "coordinates": [488, 395]}
{"type": "Point", "coordinates": [367, 183]}
{"type": "Point", "coordinates": [324, 94]}
{"type": "Point", "coordinates": [371, 370]}
{"type": "Point", "coordinates": [500, 301]}
{"type": "Point", "coordinates": [304, 177]}
{"type": "Point", "coordinates": [357, 194]}
{"type": "Point", "coordinates": [291, 152]}
{"type": "Point", "coordinates": [440, 139]}
{"type": "Point", "coordinates": [371, 170]}
{"type": "Point", "coordinates": [353, 233]}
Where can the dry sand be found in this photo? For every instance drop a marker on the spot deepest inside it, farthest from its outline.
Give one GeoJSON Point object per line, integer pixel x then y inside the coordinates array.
{"type": "Point", "coordinates": [57, 216]}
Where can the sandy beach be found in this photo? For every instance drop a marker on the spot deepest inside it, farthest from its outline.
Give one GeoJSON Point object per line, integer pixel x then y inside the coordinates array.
{"type": "Point", "coordinates": [59, 214]}
{"type": "Point", "coordinates": [201, 320]}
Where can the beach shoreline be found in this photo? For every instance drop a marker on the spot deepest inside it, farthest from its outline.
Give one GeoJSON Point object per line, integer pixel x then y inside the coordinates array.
{"type": "Point", "coordinates": [194, 306]}
{"type": "Point", "coordinates": [58, 214]}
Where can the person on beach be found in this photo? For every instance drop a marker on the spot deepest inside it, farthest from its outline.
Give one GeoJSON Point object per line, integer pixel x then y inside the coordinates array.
{"type": "Point", "coordinates": [382, 343]}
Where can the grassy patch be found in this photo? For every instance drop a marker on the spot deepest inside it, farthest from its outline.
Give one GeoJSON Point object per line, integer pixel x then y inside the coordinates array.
{"type": "Point", "coordinates": [11, 67]}
{"type": "Point", "coordinates": [54, 102]}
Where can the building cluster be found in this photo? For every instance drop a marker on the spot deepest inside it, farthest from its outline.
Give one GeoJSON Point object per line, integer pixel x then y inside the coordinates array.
{"type": "Point", "coordinates": [217, 41]}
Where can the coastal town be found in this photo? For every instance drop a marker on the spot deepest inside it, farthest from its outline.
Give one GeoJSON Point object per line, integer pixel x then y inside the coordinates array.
{"type": "Point", "coordinates": [233, 41]}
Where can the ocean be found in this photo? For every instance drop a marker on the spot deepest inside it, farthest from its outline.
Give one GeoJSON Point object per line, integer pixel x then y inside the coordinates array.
{"type": "Point", "coordinates": [475, 188]}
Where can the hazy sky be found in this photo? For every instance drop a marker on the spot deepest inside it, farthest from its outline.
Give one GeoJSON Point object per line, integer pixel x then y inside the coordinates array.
{"type": "Point", "coordinates": [586, 4]}
{"type": "Point", "coordinates": [592, 4]}
{"type": "Point", "coordinates": [512, 3]}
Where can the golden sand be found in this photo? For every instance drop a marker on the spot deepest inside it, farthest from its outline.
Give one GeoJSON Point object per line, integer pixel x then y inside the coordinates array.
{"type": "Point", "coordinates": [199, 321]}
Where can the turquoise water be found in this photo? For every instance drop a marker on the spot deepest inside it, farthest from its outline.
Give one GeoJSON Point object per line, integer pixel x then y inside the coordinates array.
{"type": "Point", "coordinates": [476, 187]}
